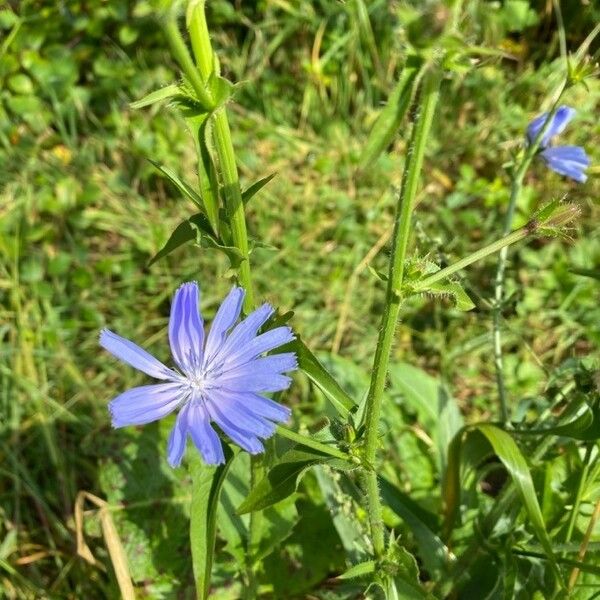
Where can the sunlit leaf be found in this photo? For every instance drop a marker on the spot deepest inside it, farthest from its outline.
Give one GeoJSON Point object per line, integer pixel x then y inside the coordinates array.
{"type": "Point", "coordinates": [360, 570]}
{"type": "Point", "coordinates": [186, 231]}
{"type": "Point", "coordinates": [389, 120]}
{"type": "Point", "coordinates": [156, 96]}
{"type": "Point", "coordinates": [181, 185]}
{"type": "Point", "coordinates": [248, 193]}
{"type": "Point", "coordinates": [319, 375]}
{"type": "Point", "coordinates": [514, 462]}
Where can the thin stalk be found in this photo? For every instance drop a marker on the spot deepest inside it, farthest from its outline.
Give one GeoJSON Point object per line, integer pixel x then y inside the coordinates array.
{"type": "Point", "coordinates": [222, 135]}
{"type": "Point", "coordinates": [584, 546]}
{"type": "Point", "coordinates": [501, 244]}
{"type": "Point", "coordinates": [583, 478]}
{"type": "Point", "coordinates": [205, 60]}
{"type": "Point", "coordinates": [515, 191]}
{"type": "Point", "coordinates": [311, 443]}
{"type": "Point", "coordinates": [410, 180]}
{"type": "Point", "coordinates": [183, 58]}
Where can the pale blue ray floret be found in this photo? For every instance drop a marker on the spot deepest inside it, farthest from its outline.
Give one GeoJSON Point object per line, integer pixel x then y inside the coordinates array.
{"type": "Point", "coordinates": [222, 379]}
{"type": "Point", "coordinates": [570, 161]}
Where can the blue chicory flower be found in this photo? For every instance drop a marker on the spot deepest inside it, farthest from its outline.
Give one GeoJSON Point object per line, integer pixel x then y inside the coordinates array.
{"type": "Point", "coordinates": [561, 119]}
{"type": "Point", "coordinates": [220, 380]}
{"type": "Point", "coordinates": [571, 161]}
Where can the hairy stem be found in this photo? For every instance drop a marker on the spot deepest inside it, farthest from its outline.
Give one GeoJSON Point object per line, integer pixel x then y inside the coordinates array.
{"type": "Point", "coordinates": [410, 180]}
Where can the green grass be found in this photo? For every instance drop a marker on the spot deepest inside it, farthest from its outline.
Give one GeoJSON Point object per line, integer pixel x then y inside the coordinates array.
{"type": "Point", "coordinates": [82, 212]}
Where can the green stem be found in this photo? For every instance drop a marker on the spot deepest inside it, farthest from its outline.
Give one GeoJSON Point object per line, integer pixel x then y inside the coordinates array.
{"type": "Point", "coordinates": [410, 180]}
{"type": "Point", "coordinates": [182, 56]}
{"type": "Point", "coordinates": [206, 61]}
{"type": "Point", "coordinates": [198, 77]}
{"type": "Point", "coordinates": [501, 244]}
{"type": "Point", "coordinates": [202, 47]}
{"type": "Point", "coordinates": [515, 192]}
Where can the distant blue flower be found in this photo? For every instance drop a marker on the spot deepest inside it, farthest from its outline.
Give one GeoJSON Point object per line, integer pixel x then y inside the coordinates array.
{"type": "Point", "coordinates": [221, 380]}
{"type": "Point", "coordinates": [560, 120]}
{"type": "Point", "coordinates": [570, 161]}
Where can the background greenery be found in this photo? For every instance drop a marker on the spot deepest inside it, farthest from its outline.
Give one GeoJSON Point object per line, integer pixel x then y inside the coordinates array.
{"type": "Point", "coordinates": [82, 211]}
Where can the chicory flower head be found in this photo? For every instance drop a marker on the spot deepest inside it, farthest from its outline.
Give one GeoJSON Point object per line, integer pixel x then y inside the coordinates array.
{"type": "Point", "coordinates": [221, 379]}
{"type": "Point", "coordinates": [570, 161]}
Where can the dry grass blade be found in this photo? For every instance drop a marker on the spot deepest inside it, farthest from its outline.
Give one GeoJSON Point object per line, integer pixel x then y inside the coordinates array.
{"type": "Point", "coordinates": [111, 539]}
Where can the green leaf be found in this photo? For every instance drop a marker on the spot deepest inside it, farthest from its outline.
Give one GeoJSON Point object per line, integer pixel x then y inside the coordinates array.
{"type": "Point", "coordinates": [350, 529]}
{"type": "Point", "coordinates": [183, 233]}
{"type": "Point", "coordinates": [181, 185]}
{"type": "Point", "coordinates": [433, 551]}
{"type": "Point", "coordinates": [248, 193]}
{"type": "Point", "coordinates": [276, 524]}
{"type": "Point", "coordinates": [389, 120]}
{"type": "Point", "coordinates": [207, 482]}
{"type": "Point", "coordinates": [360, 570]}
{"type": "Point", "coordinates": [317, 373]}
{"type": "Point", "coordinates": [221, 90]}
{"type": "Point", "coordinates": [420, 391]}
{"type": "Point", "coordinates": [400, 576]}
{"type": "Point", "coordinates": [452, 289]}
{"type": "Point", "coordinates": [200, 127]}
{"type": "Point", "coordinates": [157, 96]}
{"type": "Point", "coordinates": [282, 479]}
{"type": "Point", "coordinates": [514, 462]}
{"type": "Point", "coordinates": [592, 273]}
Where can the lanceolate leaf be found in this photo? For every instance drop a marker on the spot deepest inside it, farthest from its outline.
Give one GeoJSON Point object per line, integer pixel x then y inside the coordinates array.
{"type": "Point", "coordinates": [317, 373]}
{"type": "Point", "coordinates": [433, 552]}
{"type": "Point", "coordinates": [579, 422]}
{"type": "Point", "coordinates": [256, 187]}
{"type": "Point", "coordinates": [389, 120]}
{"type": "Point", "coordinates": [453, 290]}
{"type": "Point", "coordinates": [513, 460]}
{"type": "Point", "coordinates": [207, 482]}
{"type": "Point", "coordinates": [360, 570]}
{"type": "Point", "coordinates": [181, 185]}
{"type": "Point", "coordinates": [156, 96]}
{"type": "Point", "coordinates": [184, 232]}
{"type": "Point", "coordinates": [282, 479]}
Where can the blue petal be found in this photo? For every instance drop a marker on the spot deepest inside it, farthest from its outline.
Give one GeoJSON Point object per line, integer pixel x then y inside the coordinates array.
{"type": "Point", "coordinates": [244, 332]}
{"type": "Point", "coordinates": [178, 437]}
{"type": "Point", "coordinates": [260, 375]}
{"type": "Point", "coordinates": [267, 408]}
{"type": "Point", "coordinates": [186, 329]}
{"type": "Point", "coordinates": [570, 161]}
{"type": "Point", "coordinates": [146, 403]}
{"type": "Point", "coordinates": [561, 119]}
{"type": "Point", "coordinates": [243, 438]}
{"type": "Point", "coordinates": [203, 435]}
{"type": "Point", "coordinates": [135, 356]}
{"type": "Point", "coordinates": [239, 413]}
{"type": "Point", "coordinates": [259, 345]}
{"type": "Point", "coordinates": [226, 316]}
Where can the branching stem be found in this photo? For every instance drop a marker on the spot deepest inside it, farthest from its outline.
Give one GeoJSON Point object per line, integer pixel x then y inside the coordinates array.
{"type": "Point", "coordinates": [412, 171]}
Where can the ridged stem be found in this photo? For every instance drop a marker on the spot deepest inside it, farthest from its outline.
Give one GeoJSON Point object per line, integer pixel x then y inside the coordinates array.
{"type": "Point", "coordinates": [412, 170]}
